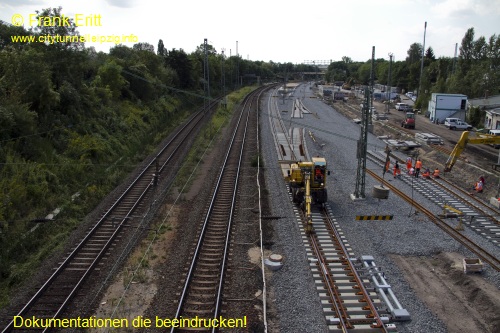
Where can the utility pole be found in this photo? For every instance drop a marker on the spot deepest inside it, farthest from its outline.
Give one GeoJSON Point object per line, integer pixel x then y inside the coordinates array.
{"type": "Point", "coordinates": [237, 66]}
{"type": "Point", "coordinates": [205, 74]}
{"type": "Point", "coordinates": [223, 78]}
{"type": "Point", "coordinates": [454, 59]}
{"type": "Point", "coordinates": [389, 90]}
{"type": "Point", "coordinates": [206, 80]}
{"type": "Point", "coordinates": [208, 71]}
{"type": "Point", "coordinates": [422, 63]}
{"type": "Point", "coordinates": [372, 79]}
{"type": "Point", "coordinates": [359, 191]}
{"type": "Point", "coordinates": [315, 71]}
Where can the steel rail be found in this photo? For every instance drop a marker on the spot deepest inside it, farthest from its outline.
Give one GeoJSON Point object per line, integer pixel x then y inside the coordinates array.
{"type": "Point", "coordinates": [472, 246]}
{"type": "Point", "coordinates": [273, 124]}
{"type": "Point", "coordinates": [88, 236]}
{"type": "Point", "coordinates": [206, 220]}
{"type": "Point", "coordinates": [352, 269]}
{"type": "Point", "coordinates": [468, 197]}
{"type": "Point", "coordinates": [334, 295]}
{"type": "Point", "coordinates": [218, 302]}
{"type": "Point", "coordinates": [101, 253]}
{"type": "Point", "coordinates": [279, 119]}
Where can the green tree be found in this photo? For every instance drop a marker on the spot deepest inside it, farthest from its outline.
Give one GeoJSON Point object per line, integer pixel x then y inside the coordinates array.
{"type": "Point", "coordinates": [109, 76]}
{"type": "Point", "coordinates": [27, 75]}
{"type": "Point", "coordinates": [179, 61]}
{"type": "Point", "coordinates": [54, 23]}
{"type": "Point", "coordinates": [466, 51]}
{"type": "Point", "coordinates": [144, 47]}
{"type": "Point", "coordinates": [429, 54]}
{"type": "Point", "coordinates": [161, 51]}
{"type": "Point", "coordinates": [414, 53]}
{"type": "Point", "coordinates": [6, 31]}
{"type": "Point", "coordinates": [480, 49]}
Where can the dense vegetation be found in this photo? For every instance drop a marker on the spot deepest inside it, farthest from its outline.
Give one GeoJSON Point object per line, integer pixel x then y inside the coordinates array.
{"type": "Point", "coordinates": [74, 121]}
{"type": "Point", "coordinates": [475, 72]}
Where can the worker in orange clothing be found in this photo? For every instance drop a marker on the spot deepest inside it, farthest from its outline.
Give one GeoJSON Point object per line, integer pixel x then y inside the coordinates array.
{"type": "Point", "coordinates": [408, 164]}
{"type": "Point", "coordinates": [436, 173]}
{"type": "Point", "coordinates": [418, 166]}
{"type": "Point", "coordinates": [479, 187]}
{"type": "Point", "coordinates": [427, 173]}
{"type": "Point", "coordinates": [397, 171]}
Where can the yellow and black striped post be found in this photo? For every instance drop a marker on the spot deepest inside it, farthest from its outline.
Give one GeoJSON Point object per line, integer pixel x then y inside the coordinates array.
{"type": "Point", "coordinates": [373, 217]}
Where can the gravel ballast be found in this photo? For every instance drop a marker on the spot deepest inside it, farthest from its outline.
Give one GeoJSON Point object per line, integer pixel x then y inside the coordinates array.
{"type": "Point", "coordinates": [410, 233]}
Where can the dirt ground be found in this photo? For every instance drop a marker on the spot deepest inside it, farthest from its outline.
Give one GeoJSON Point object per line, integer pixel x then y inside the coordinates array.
{"type": "Point", "coordinates": [129, 300]}
{"type": "Point", "coordinates": [464, 302]}
{"type": "Point", "coordinates": [135, 286]}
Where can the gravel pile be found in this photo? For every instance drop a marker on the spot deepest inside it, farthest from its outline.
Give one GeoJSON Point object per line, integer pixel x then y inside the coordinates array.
{"type": "Point", "coordinates": [409, 233]}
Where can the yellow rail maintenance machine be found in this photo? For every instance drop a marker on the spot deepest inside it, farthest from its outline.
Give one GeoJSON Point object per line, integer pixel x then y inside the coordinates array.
{"type": "Point", "coordinates": [307, 182]}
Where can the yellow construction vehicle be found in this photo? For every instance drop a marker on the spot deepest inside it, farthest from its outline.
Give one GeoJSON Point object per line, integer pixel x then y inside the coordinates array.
{"type": "Point", "coordinates": [347, 85]}
{"type": "Point", "coordinates": [307, 181]}
{"type": "Point", "coordinates": [314, 173]}
{"type": "Point", "coordinates": [464, 140]}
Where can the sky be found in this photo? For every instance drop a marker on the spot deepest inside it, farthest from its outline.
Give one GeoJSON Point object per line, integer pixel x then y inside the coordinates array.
{"type": "Point", "coordinates": [278, 31]}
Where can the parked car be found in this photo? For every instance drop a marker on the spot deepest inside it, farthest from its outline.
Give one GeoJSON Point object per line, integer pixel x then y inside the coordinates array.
{"type": "Point", "coordinates": [402, 107]}
{"type": "Point", "coordinates": [449, 121]}
{"type": "Point", "coordinates": [496, 133]}
{"type": "Point", "coordinates": [460, 125]}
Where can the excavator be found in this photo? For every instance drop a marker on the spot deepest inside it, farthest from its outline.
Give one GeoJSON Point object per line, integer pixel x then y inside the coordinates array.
{"type": "Point", "coordinates": [464, 140]}
{"type": "Point", "coordinates": [347, 85]}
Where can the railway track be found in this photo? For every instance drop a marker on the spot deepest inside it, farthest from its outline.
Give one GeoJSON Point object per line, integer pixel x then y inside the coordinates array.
{"type": "Point", "coordinates": [440, 197]}
{"type": "Point", "coordinates": [202, 291]}
{"type": "Point", "coordinates": [102, 240]}
{"type": "Point", "coordinates": [348, 305]}
{"type": "Point", "coordinates": [349, 301]}
{"type": "Point", "coordinates": [285, 147]}
{"type": "Point", "coordinates": [477, 214]}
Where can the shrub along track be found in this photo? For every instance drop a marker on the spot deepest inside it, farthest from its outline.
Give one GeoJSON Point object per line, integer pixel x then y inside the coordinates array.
{"type": "Point", "coordinates": [111, 238]}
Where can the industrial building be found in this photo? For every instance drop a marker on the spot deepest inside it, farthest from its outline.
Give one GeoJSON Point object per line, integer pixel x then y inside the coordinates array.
{"type": "Point", "coordinates": [442, 106]}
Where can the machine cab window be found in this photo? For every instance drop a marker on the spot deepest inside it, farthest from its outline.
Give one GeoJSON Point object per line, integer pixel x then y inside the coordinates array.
{"type": "Point", "coordinates": [319, 173]}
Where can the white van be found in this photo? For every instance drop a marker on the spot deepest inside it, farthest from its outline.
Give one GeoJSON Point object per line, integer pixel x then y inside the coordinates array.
{"type": "Point", "coordinates": [495, 132]}
{"type": "Point", "coordinates": [450, 121]}
{"type": "Point", "coordinates": [402, 107]}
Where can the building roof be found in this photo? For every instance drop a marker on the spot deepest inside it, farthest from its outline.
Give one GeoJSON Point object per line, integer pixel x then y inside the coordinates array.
{"type": "Point", "coordinates": [495, 112]}
{"type": "Point", "coordinates": [445, 94]}
{"type": "Point", "coordinates": [491, 102]}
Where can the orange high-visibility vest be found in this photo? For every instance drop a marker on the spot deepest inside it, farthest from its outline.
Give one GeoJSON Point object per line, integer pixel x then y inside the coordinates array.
{"type": "Point", "coordinates": [479, 186]}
